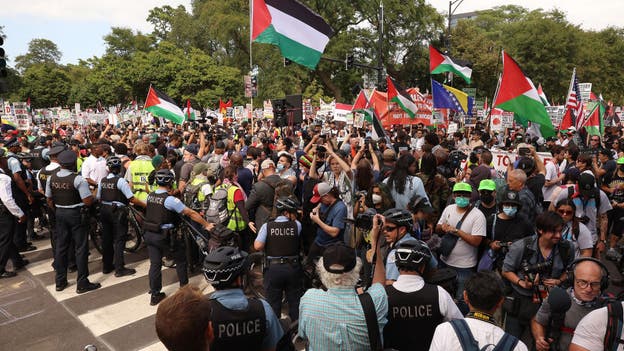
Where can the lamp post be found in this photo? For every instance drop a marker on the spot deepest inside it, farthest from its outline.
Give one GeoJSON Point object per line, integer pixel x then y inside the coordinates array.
{"type": "Point", "coordinates": [451, 11]}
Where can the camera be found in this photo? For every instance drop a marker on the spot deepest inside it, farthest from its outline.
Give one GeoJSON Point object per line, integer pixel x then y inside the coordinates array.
{"type": "Point", "coordinates": [524, 151]}
{"type": "Point", "coordinates": [456, 157]}
{"type": "Point", "coordinates": [530, 270]}
{"type": "Point", "coordinates": [364, 221]}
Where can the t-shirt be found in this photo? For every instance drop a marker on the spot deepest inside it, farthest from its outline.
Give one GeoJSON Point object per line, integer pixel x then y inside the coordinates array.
{"type": "Point", "coordinates": [591, 330]}
{"type": "Point", "coordinates": [445, 338]}
{"type": "Point", "coordinates": [582, 242]}
{"type": "Point", "coordinates": [333, 217]}
{"type": "Point", "coordinates": [508, 230]}
{"type": "Point", "coordinates": [536, 184]}
{"type": "Point", "coordinates": [552, 172]}
{"type": "Point", "coordinates": [610, 166]}
{"type": "Point", "coordinates": [617, 183]}
{"type": "Point", "coordinates": [588, 208]}
{"type": "Point", "coordinates": [463, 254]}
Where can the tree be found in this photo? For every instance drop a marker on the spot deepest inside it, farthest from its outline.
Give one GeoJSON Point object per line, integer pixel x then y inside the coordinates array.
{"type": "Point", "coordinates": [39, 51]}
{"type": "Point", "coordinates": [123, 42]}
{"type": "Point", "coordinates": [46, 84]}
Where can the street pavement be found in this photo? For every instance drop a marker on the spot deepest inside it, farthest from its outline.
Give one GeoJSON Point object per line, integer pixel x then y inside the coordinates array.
{"type": "Point", "coordinates": [34, 316]}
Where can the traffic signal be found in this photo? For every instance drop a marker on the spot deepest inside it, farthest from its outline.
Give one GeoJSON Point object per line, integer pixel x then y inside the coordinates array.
{"type": "Point", "coordinates": [349, 61]}
{"type": "Point", "coordinates": [254, 85]}
{"type": "Point", "coordinates": [3, 67]}
{"type": "Point", "coordinates": [287, 62]}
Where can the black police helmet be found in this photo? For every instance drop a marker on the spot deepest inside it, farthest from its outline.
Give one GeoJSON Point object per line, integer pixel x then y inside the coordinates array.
{"type": "Point", "coordinates": [113, 162]}
{"type": "Point", "coordinates": [411, 255]}
{"type": "Point", "coordinates": [223, 265]}
{"type": "Point", "coordinates": [164, 177]}
{"type": "Point", "coordinates": [400, 217]}
{"type": "Point", "coordinates": [287, 203]}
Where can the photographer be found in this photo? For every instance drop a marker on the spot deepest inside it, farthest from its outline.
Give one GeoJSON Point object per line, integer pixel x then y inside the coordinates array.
{"type": "Point", "coordinates": [532, 266]}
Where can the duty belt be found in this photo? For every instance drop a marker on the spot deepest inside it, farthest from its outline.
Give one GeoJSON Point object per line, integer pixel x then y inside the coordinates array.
{"type": "Point", "coordinates": [282, 260]}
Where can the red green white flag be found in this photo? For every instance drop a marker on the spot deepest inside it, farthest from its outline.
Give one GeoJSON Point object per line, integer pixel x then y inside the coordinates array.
{"type": "Point", "coordinates": [161, 105]}
{"type": "Point", "coordinates": [299, 32]}
{"type": "Point", "coordinates": [518, 94]}
{"type": "Point", "coordinates": [440, 63]}
{"type": "Point", "coordinates": [399, 95]}
{"type": "Point", "coordinates": [594, 123]}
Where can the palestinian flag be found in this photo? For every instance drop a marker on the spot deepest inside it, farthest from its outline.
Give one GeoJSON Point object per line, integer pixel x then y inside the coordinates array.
{"type": "Point", "coordinates": [397, 94]}
{"type": "Point", "coordinates": [594, 124]}
{"type": "Point", "coordinates": [440, 63]}
{"type": "Point", "coordinates": [160, 105]}
{"type": "Point", "coordinates": [542, 96]}
{"type": "Point", "coordinates": [189, 112]}
{"type": "Point", "coordinates": [518, 94]}
{"type": "Point", "coordinates": [300, 33]}
{"type": "Point", "coordinates": [361, 102]}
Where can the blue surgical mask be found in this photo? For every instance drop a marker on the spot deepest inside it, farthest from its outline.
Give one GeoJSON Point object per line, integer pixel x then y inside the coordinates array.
{"type": "Point", "coordinates": [279, 167]}
{"type": "Point", "coordinates": [462, 202]}
{"type": "Point", "coordinates": [510, 210]}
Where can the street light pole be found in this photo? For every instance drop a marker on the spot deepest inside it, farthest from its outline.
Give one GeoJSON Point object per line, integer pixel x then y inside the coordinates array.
{"type": "Point", "coordinates": [380, 45]}
{"type": "Point", "coordinates": [451, 11]}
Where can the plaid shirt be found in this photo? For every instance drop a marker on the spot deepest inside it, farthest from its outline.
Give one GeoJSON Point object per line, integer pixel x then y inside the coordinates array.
{"type": "Point", "coordinates": [334, 319]}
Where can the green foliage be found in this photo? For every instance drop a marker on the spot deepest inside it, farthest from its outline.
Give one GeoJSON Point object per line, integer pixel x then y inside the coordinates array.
{"type": "Point", "coordinates": [39, 51]}
{"type": "Point", "coordinates": [46, 84]}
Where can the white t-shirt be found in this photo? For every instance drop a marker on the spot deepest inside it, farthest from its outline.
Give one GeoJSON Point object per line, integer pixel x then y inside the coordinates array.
{"type": "Point", "coordinates": [445, 338]}
{"type": "Point", "coordinates": [463, 255]}
{"type": "Point", "coordinates": [584, 240]}
{"type": "Point", "coordinates": [552, 172]}
{"type": "Point", "coordinates": [591, 330]}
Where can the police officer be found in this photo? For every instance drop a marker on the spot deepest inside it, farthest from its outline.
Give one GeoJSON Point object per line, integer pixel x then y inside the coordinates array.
{"type": "Point", "coordinates": [8, 210]}
{"type": "Point", "coordinates": [161, 218]}
{"type": "Point", "coordinates": [412, 303]}
{"type": "Point", "coordinates": [42, 181]}
{"type": "Point", "coordinates": [20, 192]}
{"type": "Point", "coordinates": [115, 194]}
{"type": "Point", "coordinates": [239, 323]}
{"type": "Point", "coordinates": [281, 242]}
{"type": "Point", "coordinates": [69, 193]}
{"type": "Point", "coordinates": [38, 159]}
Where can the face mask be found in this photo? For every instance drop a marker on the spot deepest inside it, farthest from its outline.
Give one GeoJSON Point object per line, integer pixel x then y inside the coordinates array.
{"type": "Point", "coordinates": [510, 211]}
{"type": "Point", "coordinates": [462, 202]}
{"type": "Point", "coordinates": [279, 167]}
{"type": "Point", "coordinates": [487, 198]}
{"type": "Point", "coordinates": [376, 199]}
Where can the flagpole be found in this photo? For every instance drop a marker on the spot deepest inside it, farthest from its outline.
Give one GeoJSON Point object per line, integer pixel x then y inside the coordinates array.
{"type": "Point", "coordinates": [489, 116]}
{"type": "Point", "coordinates": [251, 58]}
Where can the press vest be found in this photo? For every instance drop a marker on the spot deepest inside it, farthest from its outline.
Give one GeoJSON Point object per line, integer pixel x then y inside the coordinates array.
{"type": "Point", "coordinates": [141, 170]}
{"type": "Point", "coordinates": [110, 192]}
{"type": "Point", "coordinates": [64, 193]}
{"type": "Point", "coordinates": [238, 329]}
{"type": "Point", "coordinates": [409, 312]}
{"type": "Point", "coordinates": [282, 239]}
{"type": "Point", "coordinates": [156, 214]}
{"type": "Point", "coordinates": [37, 161]}
{"type": "Point", "coordinates": [44, 175]}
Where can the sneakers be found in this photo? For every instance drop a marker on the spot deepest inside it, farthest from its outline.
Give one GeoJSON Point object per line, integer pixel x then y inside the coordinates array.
{"type": "Point", "coordinates": [613, 255]}
{"type": "Point", "coordinates": [88, 287]}
{"type": "Point", "coordinates": [156, 298]}
{"type": "Point", "coordinates": [125, 271]}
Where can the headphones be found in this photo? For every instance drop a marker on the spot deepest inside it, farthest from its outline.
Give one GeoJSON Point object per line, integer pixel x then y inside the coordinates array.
{"type": "Point", "coordinates": [604, 279]}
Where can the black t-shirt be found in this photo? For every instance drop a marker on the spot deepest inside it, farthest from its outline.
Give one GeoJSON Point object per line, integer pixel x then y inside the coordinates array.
{"type": "Point", "coordinates": [610, 166]}
{"type": "Point", "coordinates": [616, 183]}
{"type": "Point", "coordinates": [508, 230]}
{"type": "Point", "coordinates": [535, 184]}
{"type": "Point", "coordinates": [487, 212]}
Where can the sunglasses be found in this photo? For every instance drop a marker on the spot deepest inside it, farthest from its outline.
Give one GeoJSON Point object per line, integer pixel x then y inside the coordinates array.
{"type": "Point", "coordinates": [595, 139]}
{"type": "Point", "coordinates": [565, 212]}
{"type": "Point", "coordinates": [389, 229]}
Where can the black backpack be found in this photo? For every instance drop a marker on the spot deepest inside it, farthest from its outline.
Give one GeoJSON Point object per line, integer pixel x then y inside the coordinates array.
{"type": "Point", "coordinates": [468, 343]}
{"type": "Point", "coordinates": [613, 336]}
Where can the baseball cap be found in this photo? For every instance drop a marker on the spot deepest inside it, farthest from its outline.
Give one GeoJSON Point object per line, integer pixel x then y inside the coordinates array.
{"type": "Point", "coordinates": [339, 258]}
{"type": "Point", "coordinates": [56, 148]}
{"type": "Point", "coordinates": [267, 163]}
{"type": "Point", "coordinates": [620, 161]}
{"type": "Point", "coordinates": [462, 187]}
{"type": "Point", "coordinates": [526, 164]}
{"type": "Point", "coordinates": [192, 148]}
{"type": "Point", "coordinates": [511, 197]}
{"type": "Point", "coordinates": [487, 184]}
{"type": "Point", "coordinates": [67, 157]}
{"type": "Point", "coordinates": [320, 190]}
{"type": "Point", "coordinates": [200, 167]}
{"type": "Point", "coordinates": [586, 184]}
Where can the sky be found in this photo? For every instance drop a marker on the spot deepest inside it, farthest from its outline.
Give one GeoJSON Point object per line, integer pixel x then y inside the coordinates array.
{"type": "Point", "coordinates": [78, 26]}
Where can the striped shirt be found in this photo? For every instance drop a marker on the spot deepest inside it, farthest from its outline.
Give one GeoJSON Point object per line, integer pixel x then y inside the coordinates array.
{"type": "Point", "coordinates": [334, 319]}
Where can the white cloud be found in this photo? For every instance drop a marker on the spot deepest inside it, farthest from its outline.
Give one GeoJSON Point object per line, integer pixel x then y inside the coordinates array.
{"type": "Point", "coordinates": [124, 13]}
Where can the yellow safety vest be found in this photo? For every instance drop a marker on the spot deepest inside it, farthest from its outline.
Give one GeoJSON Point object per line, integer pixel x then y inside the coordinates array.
{"type": "Point", "coordinates": [236, 222]}
{"type": "Point", "coordinates": [140, 171]}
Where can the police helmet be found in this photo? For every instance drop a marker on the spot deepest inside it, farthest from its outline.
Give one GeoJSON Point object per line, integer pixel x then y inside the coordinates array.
{"type": "Point", "coordinates": [287, 203]}
{"type": "Point", "coordinates": [164, 177]}
{"type": "Point", "coordinates": [113, 162]}
{"type": "Point", "coordinates": [400, 217]}
{"type": "Point", "coordinates": [223, 265]}
{"type": "Point", "coordinates": [412, 254]}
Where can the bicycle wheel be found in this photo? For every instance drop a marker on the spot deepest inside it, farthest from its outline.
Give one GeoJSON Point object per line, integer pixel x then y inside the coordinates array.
{"type": "Point", "coordinates": [135, 234]}
{"type": "Point", "coordinates": [95, 233]}
{"type": "Point", "coordinates": [253, 281]}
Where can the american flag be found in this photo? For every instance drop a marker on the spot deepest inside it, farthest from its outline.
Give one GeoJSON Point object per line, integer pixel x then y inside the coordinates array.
{"type": "Point", "coordinates": [574, 102]}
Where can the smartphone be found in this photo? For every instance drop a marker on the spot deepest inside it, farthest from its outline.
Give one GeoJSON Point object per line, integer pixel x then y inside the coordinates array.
{"type": "Point", "coordinates": [524, 151]}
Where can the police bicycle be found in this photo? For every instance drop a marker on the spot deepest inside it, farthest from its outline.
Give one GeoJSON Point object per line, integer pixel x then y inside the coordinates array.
{"type": "Point", "coordinates": [134, 238]}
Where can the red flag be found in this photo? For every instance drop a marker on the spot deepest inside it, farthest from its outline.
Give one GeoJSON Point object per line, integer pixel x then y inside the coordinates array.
{"type": "Point", "coordinates": [361, 102]}
{"type": "Point", "coordinates": [188, 109]}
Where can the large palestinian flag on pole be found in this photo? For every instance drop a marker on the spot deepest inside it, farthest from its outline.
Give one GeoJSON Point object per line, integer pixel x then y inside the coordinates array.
{"type": "Point", "coordinates": [440, 63]}
{"type": "Point", "coordinates": [518, 94]}
{"type": "Point", "coordinates": [399, 95]}
{"type": "Point", "coordinates": [161, 105]}
{"type": "Point", "coordinates": [300, 33]}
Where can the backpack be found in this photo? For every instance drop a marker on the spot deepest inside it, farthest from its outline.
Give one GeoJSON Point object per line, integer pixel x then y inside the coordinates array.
{"type": "Point", "coordinates": [217, 211]}
{"type": "Point", "coordinates": [468, 343]}
{"type": "Point", "coordinates": [190, 195]}
{"type": "Point", "coordinates": [574, 193]}
{"type": "Point", "coordinates": [282, 187]}
{"type": "Point", "coordinates": [613, 335]}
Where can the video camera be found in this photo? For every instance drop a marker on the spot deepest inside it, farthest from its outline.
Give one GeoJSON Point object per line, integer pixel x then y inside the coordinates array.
{"type": "Point", "coordinates": [456, 157]}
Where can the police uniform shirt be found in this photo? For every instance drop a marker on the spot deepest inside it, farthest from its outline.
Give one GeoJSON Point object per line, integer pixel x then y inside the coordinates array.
{"type": "Point", "coordinates": [13, 163]}
{"type": "Point", "coordinates": [445, 338]}
{"type": "Point", "coordinates": [591, 330]}
{"type": "Point", "coordinates": [172, 203]}
{"type": "Point", "coordinates": [392, 272]}
{"type": "Point", "coordinates": [122, 185]}
{"type": "Point", "coordinates": [235, 299]}
{"type": "Point", "coordinates": [408, 283]}
{"type": "Point", "coordinates": [52, 166]}
{"type": "Point", "coordinates": [262, 233]}
{"type": "Point", "coordinates": [6, 195]}
{"type": "Point", "coordinates": [79, 184]}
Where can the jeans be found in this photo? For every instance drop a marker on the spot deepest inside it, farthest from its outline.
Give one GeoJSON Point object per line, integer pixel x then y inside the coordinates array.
{"type": "Point", "coordinates": [463, 274]}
